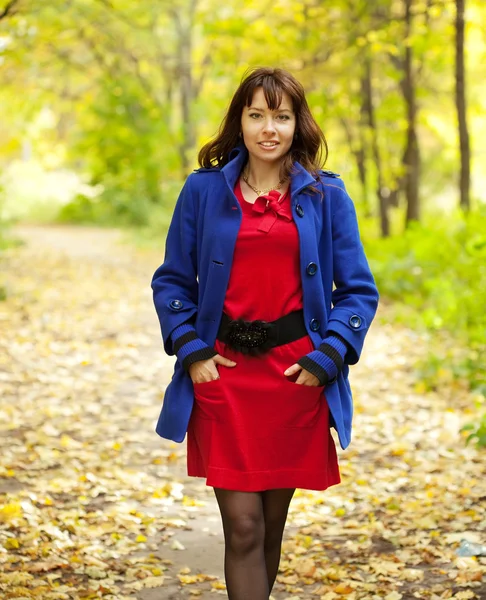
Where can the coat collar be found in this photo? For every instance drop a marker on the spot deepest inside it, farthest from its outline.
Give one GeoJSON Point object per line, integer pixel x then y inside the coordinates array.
{"type": "Point", "coordinates": [299, 177]}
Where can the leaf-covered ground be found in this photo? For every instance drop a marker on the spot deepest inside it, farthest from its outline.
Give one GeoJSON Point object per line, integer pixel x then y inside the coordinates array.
{"type": "Point", "coordinates": [93, 504]}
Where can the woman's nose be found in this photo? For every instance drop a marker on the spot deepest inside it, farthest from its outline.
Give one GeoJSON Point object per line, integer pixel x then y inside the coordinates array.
{"type": "Point", "coordinates": [269, 125]}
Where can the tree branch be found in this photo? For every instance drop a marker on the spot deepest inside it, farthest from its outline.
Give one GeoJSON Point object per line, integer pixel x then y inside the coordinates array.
{"type": "Point", "coordinates": [9, 9]}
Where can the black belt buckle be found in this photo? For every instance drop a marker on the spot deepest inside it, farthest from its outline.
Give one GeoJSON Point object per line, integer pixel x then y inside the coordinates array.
{"type": "Point", "coordinates": [250, 337]}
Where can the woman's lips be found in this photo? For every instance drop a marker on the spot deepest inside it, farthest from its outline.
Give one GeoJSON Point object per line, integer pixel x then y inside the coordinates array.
{"type": "Point", "coordinates": [268, 148]}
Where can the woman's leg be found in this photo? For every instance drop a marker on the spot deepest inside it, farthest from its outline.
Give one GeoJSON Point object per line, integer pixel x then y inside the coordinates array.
{"type": "Point", "coordinates": [244, 534]}
{"type": "Point", "coordinates": [275, 508]}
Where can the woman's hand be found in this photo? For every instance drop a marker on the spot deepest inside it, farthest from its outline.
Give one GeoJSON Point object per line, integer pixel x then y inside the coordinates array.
{"type": "Point", "coordinates": [305, 377]}
{"type": "Point", "coordinates": [205, 370]}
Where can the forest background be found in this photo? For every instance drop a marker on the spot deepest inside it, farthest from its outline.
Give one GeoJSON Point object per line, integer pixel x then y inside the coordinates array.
{"type": "Point", "coordinates": [106, 102]}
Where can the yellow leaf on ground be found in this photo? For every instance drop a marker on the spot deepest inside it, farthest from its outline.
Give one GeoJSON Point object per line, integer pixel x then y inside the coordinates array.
{"type": "Point", "coordinates": [153, 582]}
{"type": "Point", "coordinates": [218, 585]}
{"type": "Point", "coordinates": [9, 512]}
{"type": "Point", "coordinates": [343, 588]}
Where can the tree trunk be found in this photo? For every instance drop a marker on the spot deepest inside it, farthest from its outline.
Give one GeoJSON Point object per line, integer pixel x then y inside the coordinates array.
{"type": "Point", "coordinates": [184, 68]}
{"type": "Point", "coordinates": [358, 150]}
{"type": "Point", "coordinates": [368, 111]}
{"type": "Point", "coordinates": [412, 152]}
{"type": "Point", "coordinates": [465, 174]}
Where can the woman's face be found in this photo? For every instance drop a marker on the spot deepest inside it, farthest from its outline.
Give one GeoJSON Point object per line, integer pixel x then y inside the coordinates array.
{"type": "Point", "coordinates": [259, 124]}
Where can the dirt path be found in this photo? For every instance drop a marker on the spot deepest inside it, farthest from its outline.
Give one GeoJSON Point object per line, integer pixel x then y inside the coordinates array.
{"type": "Point", "coordinates": [138, 393]}
{"type": "Point", "coordinates": [82, 386]}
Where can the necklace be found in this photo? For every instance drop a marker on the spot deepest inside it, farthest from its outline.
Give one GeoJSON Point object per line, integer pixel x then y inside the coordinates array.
{"type": "Point", "coordinates": [261, 192]}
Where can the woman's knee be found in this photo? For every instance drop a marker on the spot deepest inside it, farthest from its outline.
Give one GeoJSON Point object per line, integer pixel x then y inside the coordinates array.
{"type": "Point", "coordinates": [245, 533]}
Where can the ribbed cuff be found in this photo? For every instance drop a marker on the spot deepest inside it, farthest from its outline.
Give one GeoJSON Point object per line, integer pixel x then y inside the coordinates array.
{"type": "Point", "coordinates": [327, 361]}
{"type": "Point", "coordinates": [188, 347]}
{"type": "Point", "coordinates": [202, 354]}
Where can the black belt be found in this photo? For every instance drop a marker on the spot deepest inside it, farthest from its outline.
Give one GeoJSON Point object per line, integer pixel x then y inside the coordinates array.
{"type": "Point", "coordinates": [257, 337]}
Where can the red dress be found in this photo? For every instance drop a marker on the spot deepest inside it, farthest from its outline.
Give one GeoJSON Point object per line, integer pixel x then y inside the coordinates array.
{"type": "Point", "coordinates": [254, 428]}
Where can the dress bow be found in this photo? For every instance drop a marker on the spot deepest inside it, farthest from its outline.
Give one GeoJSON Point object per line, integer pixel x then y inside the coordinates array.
{"type": "Point", "coordinates": [270, 208]}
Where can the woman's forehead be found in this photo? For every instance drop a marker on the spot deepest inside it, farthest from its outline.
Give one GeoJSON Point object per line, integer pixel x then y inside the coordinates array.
{"type": "Point", "coordinates": [259, 100]}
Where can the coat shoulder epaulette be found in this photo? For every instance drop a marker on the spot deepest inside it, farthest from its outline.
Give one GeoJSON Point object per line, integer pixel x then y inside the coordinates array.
{"type": "Point", "coordinates": [329, 173]}
{"type": "Point", "coordinates": [206, 169]}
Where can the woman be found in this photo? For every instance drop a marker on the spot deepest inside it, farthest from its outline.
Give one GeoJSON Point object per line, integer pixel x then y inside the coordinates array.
{"type": "Point", "coordinates": [245, 300]}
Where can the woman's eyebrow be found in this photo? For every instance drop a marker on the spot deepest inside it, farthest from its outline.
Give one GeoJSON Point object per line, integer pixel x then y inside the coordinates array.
{"type": "Point", "coordinates": [262, 110]}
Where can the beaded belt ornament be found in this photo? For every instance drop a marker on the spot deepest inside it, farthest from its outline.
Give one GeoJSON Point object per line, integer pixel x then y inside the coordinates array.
{"type": "Point", "coordinates": [250, 337]}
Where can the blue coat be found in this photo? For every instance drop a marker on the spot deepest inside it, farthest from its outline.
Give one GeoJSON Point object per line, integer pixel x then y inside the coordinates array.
{"type": "Point", "coordinates": [192, 281]}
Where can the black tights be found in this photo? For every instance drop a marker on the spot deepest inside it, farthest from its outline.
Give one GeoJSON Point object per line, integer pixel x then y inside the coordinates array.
{"type": "Point", "coordinates": [253, 525]}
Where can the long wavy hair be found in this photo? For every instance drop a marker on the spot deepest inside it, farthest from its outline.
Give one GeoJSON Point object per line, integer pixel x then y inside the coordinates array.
{"type": "Point", "coordinates": [309, 146]}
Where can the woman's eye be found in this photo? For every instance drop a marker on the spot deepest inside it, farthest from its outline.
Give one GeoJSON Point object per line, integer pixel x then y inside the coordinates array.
{"type": "Point", "coordinates": [284, 117]}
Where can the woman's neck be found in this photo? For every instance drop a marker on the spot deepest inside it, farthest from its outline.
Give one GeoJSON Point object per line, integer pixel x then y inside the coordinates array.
{"type": "Point", "coordinates": [262, 175]}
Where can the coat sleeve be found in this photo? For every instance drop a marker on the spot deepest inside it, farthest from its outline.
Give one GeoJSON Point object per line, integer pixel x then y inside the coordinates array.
{"type": "Point", "coordinates": [355, 297]}
{"type": "Point", "coordinates": [174, 283]}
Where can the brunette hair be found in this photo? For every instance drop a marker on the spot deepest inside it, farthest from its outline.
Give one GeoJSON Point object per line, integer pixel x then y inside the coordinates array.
{"type": "Point", "coordinates": [309, 140]}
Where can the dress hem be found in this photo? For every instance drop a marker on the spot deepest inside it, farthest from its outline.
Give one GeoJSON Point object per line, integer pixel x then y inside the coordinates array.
{"type": "Point", "coordinates": [256, 481]}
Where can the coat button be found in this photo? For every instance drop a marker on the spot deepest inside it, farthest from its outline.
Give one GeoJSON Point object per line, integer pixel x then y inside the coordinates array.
{"type": "Point", "coordinates": [311, 268]}
{"type": "Point", "coordinates": [175, 304]}
{"type": "Point", "coordinates": [299, 210]}
{"type": "Point", "coordinates": [314, 324]}
{"type": "Point", "coordinates": [355, 321]}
